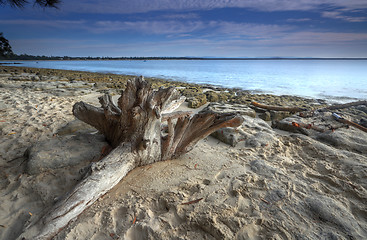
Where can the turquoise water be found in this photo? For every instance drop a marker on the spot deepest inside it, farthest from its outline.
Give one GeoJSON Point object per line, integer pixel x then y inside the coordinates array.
{"type": "Point", "coordinates": [339, 80]}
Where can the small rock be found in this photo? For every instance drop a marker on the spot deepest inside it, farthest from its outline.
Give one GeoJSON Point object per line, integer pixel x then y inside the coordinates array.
{"type": "Point", "coordinates": [254, 132]}
{"type": "Point", "coordinates": [195, 102]}
{"type": "Point", "coordinates": [333, 213]}
{"type": "Point", "coordinates": [191, 91]}
{"type": "Point", "coordinates": [345, 139]}
{"type": "Point", "coordinates": [265, 116]}
{"type": "Point", "coordinates": [74, 127]}
{"type": "Point", "coordinates": [286, 126]}
{"type": "Point", "coordinates": [279, 115]}
{"type": "Point", "coordinates": [35, 78]}
{"type": "Point", "coordinates": [227, 135]}
{"type": "Point", "coordinates": [215, 97]}
{"type": "Point", "coordinates": [260, 139]}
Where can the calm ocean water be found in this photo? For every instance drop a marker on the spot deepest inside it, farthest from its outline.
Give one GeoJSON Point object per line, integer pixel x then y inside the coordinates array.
{"type": "Point", "coordinates": [336, 80]}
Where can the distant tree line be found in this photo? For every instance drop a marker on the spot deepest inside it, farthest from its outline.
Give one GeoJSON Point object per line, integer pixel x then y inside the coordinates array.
{"type": "Point", "coordinates": [6, 53]}
{"type": "Point", "coordinates": [22, 3]}
{"type": "Point", "coordinates": [12, 56]}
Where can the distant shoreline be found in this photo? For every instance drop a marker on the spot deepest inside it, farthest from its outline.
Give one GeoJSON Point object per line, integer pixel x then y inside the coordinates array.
{"type": "Point", "coordinates": [110, 77]}
{"type": "Point", "coordinates": [304, 81]}
{"type": "Point", "coordinates": [38, 58]}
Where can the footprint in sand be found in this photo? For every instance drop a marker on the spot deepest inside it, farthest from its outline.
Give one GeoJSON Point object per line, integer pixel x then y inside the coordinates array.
{"type": "Point", "coordinates": [120, 218]}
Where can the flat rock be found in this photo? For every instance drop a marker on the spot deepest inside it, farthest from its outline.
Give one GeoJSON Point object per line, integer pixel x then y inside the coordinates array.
{"type": "Point", "coordinates": [227, 135]}
{"type": "Point", "coordinates": [240, 109]}
{"type": "Point", "coordinates": [230, 135]}
{"type": "Point", "coordinates": [348, 139]}
{"type": "Point", "coordinates": [332, 212]}
{"type": "Point", "coordinates": [336, 134]}
{"type": "Point", "coordinates": [254, 132]}
{"type": "Point", "coordinates": [270, 115]}
{"type": "Point", "coordinates": [64, 152]}
{"type": "Point", "coordinates": [75, 127]}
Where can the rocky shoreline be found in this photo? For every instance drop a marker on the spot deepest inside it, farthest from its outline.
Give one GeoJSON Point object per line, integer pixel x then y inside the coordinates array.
{"type": "Point", "coordinates": [203, 93]}
{"type": "Point", "coordinates": [197, 95]}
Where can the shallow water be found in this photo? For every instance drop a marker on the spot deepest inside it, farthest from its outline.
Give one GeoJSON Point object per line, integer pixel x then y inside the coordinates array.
{"type": "Point", "coordinates": [338, 80]}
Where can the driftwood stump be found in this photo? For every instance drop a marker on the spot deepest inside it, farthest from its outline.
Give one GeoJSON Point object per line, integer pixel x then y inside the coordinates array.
{"type": "Point", "coordinates": [134, 129]}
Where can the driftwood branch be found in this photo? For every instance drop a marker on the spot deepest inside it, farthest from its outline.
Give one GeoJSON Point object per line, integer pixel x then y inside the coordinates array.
{"type": "Point", "coordinates": [332, 107]}
{"type": "Point", "coordinates": [102, 176]}
{"type": "Point", "coordinates": [341, 106]}
{"type": "Point", "coordinates": [350, 123]}
{"type": "Point", "coordinates": [277, 108]}
{"type": "Point", "coordinates": [174, 115]}
{"type": "Point", "coordinates": [133, 127]}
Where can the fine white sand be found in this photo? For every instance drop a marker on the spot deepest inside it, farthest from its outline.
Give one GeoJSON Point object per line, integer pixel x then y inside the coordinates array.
{"type": "Point", "coordinates": [271, 186]}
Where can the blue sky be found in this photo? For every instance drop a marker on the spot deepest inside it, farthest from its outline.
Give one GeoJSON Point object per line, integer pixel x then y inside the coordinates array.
{"type": "Point", "coordinates": [199, 28]}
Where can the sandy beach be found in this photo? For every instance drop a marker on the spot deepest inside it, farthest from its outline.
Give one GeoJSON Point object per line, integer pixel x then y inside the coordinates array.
{"type": "Point", "coordinates": [273, 184]}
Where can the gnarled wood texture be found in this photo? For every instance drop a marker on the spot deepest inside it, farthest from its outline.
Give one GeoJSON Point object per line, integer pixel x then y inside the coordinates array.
{"type": "Point", "coordinates": [133, 127]}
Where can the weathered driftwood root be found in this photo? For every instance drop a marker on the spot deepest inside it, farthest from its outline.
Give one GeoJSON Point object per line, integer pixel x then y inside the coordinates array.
{"type": "Point", "coordinates": [277, 108]}
{"type": "Point", "coordinates": [133, 127]}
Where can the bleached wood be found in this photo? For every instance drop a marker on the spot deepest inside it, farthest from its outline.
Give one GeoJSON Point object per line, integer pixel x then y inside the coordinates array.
{"type": "Point", "coordinates": [173, 105]}
{"type": "Point", "coordinates": [174, 115]}
{"type": "Point", "coordinates": [133, 127]}
{"type": "Point", "coordinates": [103, 176]}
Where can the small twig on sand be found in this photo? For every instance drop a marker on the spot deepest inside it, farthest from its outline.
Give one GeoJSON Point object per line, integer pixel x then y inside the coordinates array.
{"type": "Point", "coordinates": [262, 199]}
{"type": "Point", "coordinates": [193, 201]}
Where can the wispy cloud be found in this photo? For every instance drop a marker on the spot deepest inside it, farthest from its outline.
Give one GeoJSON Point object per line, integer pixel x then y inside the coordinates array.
{"type": "Point", "coordinates": [181, 16]}
{"type": "Point", "coordinates": [272, 33]}
{"type": "Point", "coordinates": [250, 30]}
{"type": "Point", "coordinates": [341, 16]}
{"type": "Point", "coordinates": [140, 6]}
{"type": "Point", "coordinates": [302, 43]}
{"type": "Point", "coordinates": [215, 29]}
{"type": "Point", "coordinates": [173, 28]}
{"type": "Point", "coordinates": [295, 20]}
{"type": "Point", "coordinates": [143, 27]}
{"type": "Point", "coordinates": [321, 38]}
{"type": "Point", "coordinates": [148, 27]}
